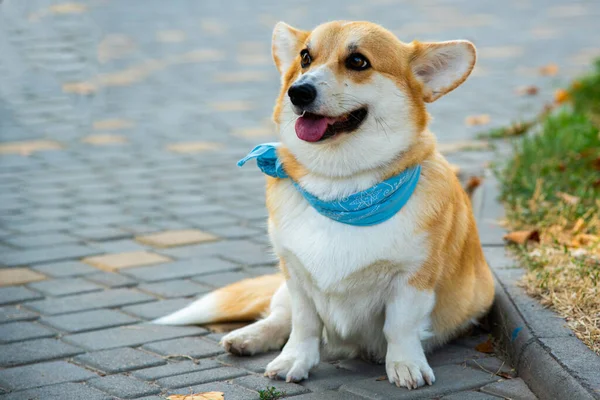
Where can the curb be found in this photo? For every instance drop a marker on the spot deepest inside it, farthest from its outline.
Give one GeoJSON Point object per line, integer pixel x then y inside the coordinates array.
{"type": "Point", "coordinates": [553, 362]}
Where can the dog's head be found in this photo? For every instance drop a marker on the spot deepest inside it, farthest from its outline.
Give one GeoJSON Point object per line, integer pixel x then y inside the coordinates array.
{"type": "Point", "coordinates": [353, 95]}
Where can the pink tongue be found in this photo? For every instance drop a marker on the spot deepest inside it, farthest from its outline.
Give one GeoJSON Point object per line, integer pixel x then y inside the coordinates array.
{"type": "Point", "coordinates": [311, 130]}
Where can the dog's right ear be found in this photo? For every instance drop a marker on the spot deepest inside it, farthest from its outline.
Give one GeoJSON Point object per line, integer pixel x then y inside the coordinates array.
{"type": "Point", "coordinates": [286, 46]}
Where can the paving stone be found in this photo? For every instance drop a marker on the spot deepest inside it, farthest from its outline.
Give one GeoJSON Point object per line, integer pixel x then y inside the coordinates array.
{"type": "Point", "coordinates": [100, 233]}
{"type": "Point", "coordinates": [113, 262]}
{"type": "Point", "coordinates": [126, 336]}
{"type": "Point", "coordinates": [449, 379]}
{"type": "Point", "coordinates": [88, 320]}
{"type": "Point", "coordinates": [492, 365]}
{"type": "Point", "coordinates": [119, 360]}
{"type": "Point", "coordinates": [19, 276]}
{"type": "Point", "coordinates": [65, 269]}
{"type": "Point", "coordinates": [200, 377]}
{"type": "Point", "coordinates": [180, 269]}
{"type": "Point", "coordinates": [17, 294]}
{"type": "Point", "coordinates": [119, 246]}
{"type": "Point", "coordinates": [176, 238]}
{"type": "Point", "coordinates": [237, 232]}
{"type": "Point", "coordinates": [175, 288]}
{"type": "Point", "coordinates": [257, 382]}
{"type": "Point", "coordinates": [329, 395]}
{"type": "Point", "coordinates": [89, 301]}
{"type": "Point", "coordinates": [230, 391]}
{"type": "Point", "coordinates": [470, 396]}
{"type": "Point", "coordinates": [35, 351]}
{"type": "Point", "coordinates": [330, 377]}
{"type": "Point", "coordinates": [39, 240]}
{"type": "Point", "coordinates": [515, 389]}
{"type": "Point", "coordinates": [15, 313]}
{"type": "Point", "coordinates": [175, 368]}
{"type": "Point", "coordinates": [453, 354]}
{"type": "Point", "coordinates": [194, 347]}
{"type": "Point", "coordinates": [18, 331]}
{"type": "Point", "coordinates": [157, 309]}
{"type": "Point", "coordinates": [223, 279]}
{"type": "Point", "coordinates": [256, 363]}
{"type": "Point", "coordinates": [111, 279]}
{"type": "Point", "coordinates": [30, 376]}
{"type": "Point", "coordinates": [62, 287]}
{"type": "Point", "coordinates": [62, 391]}
{"type": "Point", "coordinates": [124, 386]}
{"type": "Point", "coordinates": [47, 254]}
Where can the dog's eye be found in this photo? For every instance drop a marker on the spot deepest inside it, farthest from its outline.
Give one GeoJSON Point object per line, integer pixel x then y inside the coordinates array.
{"type": "Point", "coordinates": [305, 58]}
{"type": "Point", "coordinates": [357, 62]}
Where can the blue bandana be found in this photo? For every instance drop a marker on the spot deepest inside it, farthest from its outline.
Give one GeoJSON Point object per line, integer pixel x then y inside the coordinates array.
{"type": "Point", "coordinates": [368, 207]}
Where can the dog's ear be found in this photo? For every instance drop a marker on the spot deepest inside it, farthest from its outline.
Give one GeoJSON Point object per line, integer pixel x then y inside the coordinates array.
{"type": "Point", "coordinates": [286, 45]}
{"type": "Point", "coordinates": [442, 66]}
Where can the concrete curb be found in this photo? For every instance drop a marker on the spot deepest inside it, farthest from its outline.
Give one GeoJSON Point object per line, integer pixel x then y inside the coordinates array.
{"type": "Point", "coordinates": [544, 351]}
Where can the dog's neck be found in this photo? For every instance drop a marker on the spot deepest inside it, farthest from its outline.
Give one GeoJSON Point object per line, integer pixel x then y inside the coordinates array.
{"type": "Point", "coordinates": [331, 188]}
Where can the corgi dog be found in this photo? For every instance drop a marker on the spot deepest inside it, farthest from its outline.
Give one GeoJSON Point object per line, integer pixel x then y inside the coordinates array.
{"type": "Point", "coordinates": [351, 117]}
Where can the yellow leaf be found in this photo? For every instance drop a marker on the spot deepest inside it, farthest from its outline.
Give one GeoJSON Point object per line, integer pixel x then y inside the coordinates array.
{"type": "Point", "coordinates": [473, 120]}
{"type": "Point", "coordinates": [560, 96]}
{"type": "Point", "coordinates": [567, 198]}
{"type": "Point", "coordinates": [68, 8]}
{"type": "Point", "coordinates": [522, 237]}
{"type": "Point", "coordinates": [198, 396]}
{"type": "Point", "coordinates": [549, 70]}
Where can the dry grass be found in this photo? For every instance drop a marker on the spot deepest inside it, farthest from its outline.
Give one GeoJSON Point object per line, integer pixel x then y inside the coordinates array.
{"type": "Point", "coordinates": [552, 185]}
{"type": "Point", "coordinates": [564, 268]}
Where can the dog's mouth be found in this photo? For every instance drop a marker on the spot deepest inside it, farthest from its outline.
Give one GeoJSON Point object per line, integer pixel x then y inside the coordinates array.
{"type": "Point", "coordinates": [315, 128]}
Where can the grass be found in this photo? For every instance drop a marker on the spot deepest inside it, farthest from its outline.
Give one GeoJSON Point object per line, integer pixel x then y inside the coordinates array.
{"type": "Point", "coordinates": [552, 185]}
{"type": "Point", "coordinates": [270, 393]}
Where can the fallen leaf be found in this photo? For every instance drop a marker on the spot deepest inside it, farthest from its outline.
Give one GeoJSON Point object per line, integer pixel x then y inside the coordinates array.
{"type": "Point", "coordinates": [382, 378]}
{"type": "Point", "coordinates": [584, 239]}
{"type": "Point", "coordinates": [198, 396]}
{"type": "Point", "coordinates": [79, 88]}
{"type": "Point", "coordinates": [568, 198]}
{"type": "Point", "coordinates": [473, 183]}
{"type": "Point", "coordinates": [561, 96]}
{"type": "Point", "coordinates": [447, 148]}
{"type": "Point", "coordinates": [561, 166]}
{"type": "Point", "coordinates": [505, 375]}
{"type": "Point", "coordinates": [522, 237]}
{"type": "Point", "coordinates": [485, 347]}
{"type": "Point", "coordinates": [68, 8]}
{"type": "Point", "coordinates": [530, 90]}
{"type": "Point", "coordinates": [473, 120]}
{"type": "Point", "coordinates": [549, 70]}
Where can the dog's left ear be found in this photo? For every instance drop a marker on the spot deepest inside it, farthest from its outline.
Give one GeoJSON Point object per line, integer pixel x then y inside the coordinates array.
{"type": "Point", "coordinates": [286, 46]}
{"type": "Point", "coordinates": [442, 66]}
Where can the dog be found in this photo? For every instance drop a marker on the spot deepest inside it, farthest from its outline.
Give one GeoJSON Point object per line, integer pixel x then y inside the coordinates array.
{"type": "Point", "coordinates": [351, 118]}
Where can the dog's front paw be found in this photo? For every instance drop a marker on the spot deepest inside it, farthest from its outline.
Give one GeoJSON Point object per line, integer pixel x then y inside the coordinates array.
{"type": "Point", "coordinates": [250, 340]}
{"type": "Point", "coordinates": [280, 366]}
{"type": "Point", "coordinates": [292, 368]}
{"type": "Point", "coordinates": [410, 374]}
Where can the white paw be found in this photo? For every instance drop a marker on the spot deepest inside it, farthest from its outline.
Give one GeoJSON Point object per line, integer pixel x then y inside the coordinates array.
{"type": "Point", "coordinates": [246, 342]}
{"type": "Point", "coordinates": [410, 374]}
{"type": "Point", "coordinates": [280, 366]}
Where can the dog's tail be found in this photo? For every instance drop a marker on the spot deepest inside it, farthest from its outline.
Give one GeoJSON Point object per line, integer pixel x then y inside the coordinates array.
{"type": "Point", "coordinates": [245, 300]}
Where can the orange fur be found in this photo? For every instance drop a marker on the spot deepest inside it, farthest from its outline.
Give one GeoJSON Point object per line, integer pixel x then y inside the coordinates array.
{"type": "Point", "coordinates": [246, 300]}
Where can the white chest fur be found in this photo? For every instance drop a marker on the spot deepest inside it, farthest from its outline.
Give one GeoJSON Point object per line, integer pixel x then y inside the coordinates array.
{"type": "Point", "coordinates": [328, 252]}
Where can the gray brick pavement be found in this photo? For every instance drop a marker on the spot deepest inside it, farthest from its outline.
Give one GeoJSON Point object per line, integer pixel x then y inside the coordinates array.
{"type": "Point", "coordinates": [57, 206]}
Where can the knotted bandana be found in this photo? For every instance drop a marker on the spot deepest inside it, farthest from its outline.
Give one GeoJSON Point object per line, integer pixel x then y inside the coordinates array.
{"type": "Point", "coordinates": [365, 208]}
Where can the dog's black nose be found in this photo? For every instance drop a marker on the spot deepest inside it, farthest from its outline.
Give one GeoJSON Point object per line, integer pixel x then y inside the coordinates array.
{"type": "Point", "coordinates": [302, 94]}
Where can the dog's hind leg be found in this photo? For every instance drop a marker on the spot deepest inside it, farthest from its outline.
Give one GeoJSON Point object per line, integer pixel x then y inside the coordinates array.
{"type": "Point", "coordinates": [267, 334]}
